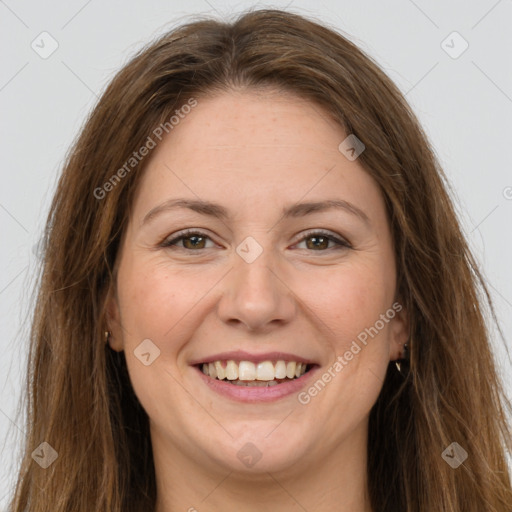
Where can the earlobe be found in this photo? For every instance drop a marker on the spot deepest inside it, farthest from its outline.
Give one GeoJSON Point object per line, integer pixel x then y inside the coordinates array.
{"type": "Point", "coordinates": [399, 333]}
{"type": "Point", "coordinates": [113, 322]}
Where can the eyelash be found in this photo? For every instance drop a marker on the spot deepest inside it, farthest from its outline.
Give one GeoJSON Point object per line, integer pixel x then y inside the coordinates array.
{"type": "Point", "coordinates": [342, 244]}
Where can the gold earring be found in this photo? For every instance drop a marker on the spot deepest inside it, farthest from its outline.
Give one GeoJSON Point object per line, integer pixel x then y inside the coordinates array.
{"type": "Point", "coordinates": [404, 356]}
{"type": "Point", "coordinates": [107, 336]}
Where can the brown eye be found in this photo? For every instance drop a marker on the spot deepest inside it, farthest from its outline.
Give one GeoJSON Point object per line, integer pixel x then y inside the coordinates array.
{"type": "Point", "coordinates": [189, 240]}
{"type": "Point", "coordinates": [316, 241]}
{"type": "Point", "coordinates": [193, 242]}
{"type": "Point", "coordinates": [319, 242]}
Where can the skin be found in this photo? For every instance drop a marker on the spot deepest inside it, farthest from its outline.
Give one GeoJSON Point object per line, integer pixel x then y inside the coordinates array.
{"type": "Point", "coordinates": [255, 153]}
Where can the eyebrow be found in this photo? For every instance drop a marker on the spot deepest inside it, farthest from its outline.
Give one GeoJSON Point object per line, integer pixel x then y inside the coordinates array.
{"type": "Point", "coordinates": [220, 212]}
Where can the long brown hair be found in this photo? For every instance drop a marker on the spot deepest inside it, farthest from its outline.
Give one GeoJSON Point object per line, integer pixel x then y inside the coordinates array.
{"type": "Point", "coordinates": [80, 400]}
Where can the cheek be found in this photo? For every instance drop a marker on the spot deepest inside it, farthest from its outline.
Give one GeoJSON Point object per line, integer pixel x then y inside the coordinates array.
{"type": "Point", "coordinates": [154, 305]}
{"type": "Point", "coordinates": [165, 306]}
{"type": "Point", "coordinates": [348, 299]}
{"type": "Point", "coordinates": [155, 299]}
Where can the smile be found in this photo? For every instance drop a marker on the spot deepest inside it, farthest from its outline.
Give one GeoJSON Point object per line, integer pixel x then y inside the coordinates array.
{"type": "Point", "coordinates": [262, 374]}
{"type": "Point", "coordinates": [251, 378]}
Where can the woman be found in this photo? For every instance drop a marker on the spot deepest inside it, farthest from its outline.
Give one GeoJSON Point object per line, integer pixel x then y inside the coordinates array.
{"type": "Point", "coordinates": [256, 294]}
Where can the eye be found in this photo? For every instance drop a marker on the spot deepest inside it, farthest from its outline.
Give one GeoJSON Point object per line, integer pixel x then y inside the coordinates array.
{"type": "Point", "coordinates": [319, 241]}
{"type": "Point", "coordinates": [190, 240]}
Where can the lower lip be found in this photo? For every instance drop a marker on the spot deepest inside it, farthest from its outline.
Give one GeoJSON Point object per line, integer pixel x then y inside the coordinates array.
{"type": "Point", "coordinates": [256, 393]}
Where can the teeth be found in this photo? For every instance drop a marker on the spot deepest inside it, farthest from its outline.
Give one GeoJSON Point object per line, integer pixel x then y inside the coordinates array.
{"type": "Point", "coordinates": [221, 373]}
{"type": "Point", "coordinates": [255, 383]}
{"type": "Point", "coordinates": [231, 370]}
{"type": "Point", "coordinates": [280, 370]}
{"type": "Point", "coordinates": [246, 370]}
{"type": "Point", "coordinates": [250, 374]}
{"type": "Point", "coordinates": [265, 371]}
{"type": "Point", "coordinates": [290, 370]}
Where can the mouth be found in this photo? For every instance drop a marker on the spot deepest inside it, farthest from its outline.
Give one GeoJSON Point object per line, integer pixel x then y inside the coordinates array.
{"type": "Point", "coordinates": [247, 378]}
{"type": "Point", "coordinates": [250, 374]}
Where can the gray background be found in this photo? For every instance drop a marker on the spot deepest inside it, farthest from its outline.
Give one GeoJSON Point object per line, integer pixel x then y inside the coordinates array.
{"type": "Point", "coordinates": [464, 103]}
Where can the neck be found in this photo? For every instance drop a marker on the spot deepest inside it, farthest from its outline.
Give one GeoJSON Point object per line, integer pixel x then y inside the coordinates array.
{"type": "Point", "coordinates": [333, 481]}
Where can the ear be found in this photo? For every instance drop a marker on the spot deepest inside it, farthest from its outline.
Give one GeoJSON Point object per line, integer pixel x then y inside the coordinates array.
{"type": "Point", "coordinates": [113, 319]}
{"type": "Point", "coordinates": [398, 331]}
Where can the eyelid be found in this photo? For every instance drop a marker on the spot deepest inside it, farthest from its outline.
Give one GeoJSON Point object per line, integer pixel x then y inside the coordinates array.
{"type": "Point", "coordinates": [338, 239]}
{"type": "Point", "coordinates": [168, 241]}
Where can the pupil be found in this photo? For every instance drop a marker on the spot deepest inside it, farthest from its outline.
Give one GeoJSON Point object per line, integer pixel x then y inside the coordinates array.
{"type": "Point", "coordinates": [192, 240]}
{"type": "Point", "coordinates": [316, 244]}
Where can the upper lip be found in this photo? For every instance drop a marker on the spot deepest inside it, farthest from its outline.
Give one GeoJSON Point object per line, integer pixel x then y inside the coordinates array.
{"type": "Point", "coordinates": [241, 355]}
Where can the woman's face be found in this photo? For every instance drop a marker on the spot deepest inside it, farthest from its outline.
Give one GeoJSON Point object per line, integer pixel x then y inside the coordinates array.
{"type": "Point", "coordinates": [267, 279]}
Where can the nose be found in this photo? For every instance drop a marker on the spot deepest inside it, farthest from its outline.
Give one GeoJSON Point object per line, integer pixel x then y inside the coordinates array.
{"type": "Point", "coordinates": [256, 295]}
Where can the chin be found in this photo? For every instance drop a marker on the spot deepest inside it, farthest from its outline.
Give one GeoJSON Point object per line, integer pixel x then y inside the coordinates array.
{"type": "Point", "coordinates": [262, 452]}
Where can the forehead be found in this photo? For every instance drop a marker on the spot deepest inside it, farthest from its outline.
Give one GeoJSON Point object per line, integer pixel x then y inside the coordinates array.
{"type": "Point", "coordinates": [255, 149]}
